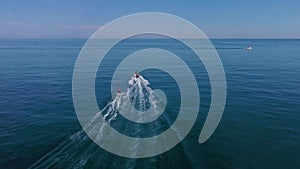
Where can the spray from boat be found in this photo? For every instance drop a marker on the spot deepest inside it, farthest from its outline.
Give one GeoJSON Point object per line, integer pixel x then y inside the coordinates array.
{"type": "Point", "coordinates": [75, 151]}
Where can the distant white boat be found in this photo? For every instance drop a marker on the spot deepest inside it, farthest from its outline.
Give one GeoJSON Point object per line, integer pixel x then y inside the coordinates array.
{"type": "Point", "coordinates": [249, 48]}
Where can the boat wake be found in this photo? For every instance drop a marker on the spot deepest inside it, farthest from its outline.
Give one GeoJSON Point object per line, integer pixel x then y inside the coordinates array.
{"type": "Point", "coordinates": [78, 149]}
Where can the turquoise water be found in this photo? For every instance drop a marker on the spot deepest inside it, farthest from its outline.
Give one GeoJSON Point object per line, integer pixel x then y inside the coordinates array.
{"type": "Point", "coordinates": [260, 127]}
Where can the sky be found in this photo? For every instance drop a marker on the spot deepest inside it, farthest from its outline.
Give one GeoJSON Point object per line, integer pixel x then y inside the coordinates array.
{"type": "Point", "coordinates": [216, 18]}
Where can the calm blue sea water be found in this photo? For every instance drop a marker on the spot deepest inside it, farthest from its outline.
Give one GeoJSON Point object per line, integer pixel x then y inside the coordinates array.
{"type": "Point", "coordinates": [260, 127]}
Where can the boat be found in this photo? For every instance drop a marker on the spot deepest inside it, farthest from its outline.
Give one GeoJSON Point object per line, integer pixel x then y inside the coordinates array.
{"type": "Point", "coordinates": [249, 48]}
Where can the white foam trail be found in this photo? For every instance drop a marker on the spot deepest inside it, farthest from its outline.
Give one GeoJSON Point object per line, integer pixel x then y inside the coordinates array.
{"type": "Point", "coordinates": [75, 151]}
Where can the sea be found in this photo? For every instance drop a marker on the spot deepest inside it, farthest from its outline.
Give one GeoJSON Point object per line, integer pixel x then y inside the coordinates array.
{"type": "Point", "coordinates": [260, 126]}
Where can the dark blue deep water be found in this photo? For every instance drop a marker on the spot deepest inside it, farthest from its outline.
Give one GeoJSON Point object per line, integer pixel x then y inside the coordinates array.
{"type": "Point", "coordinates": [260, 127]}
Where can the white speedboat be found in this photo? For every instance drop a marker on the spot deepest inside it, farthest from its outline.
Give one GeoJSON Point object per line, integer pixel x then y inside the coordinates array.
{"type": "Point", "coordinates": [249, 48]}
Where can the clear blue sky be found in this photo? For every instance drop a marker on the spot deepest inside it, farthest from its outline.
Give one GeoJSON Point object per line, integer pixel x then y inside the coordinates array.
{"type": "Point", "coordinates": [216, 18]}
